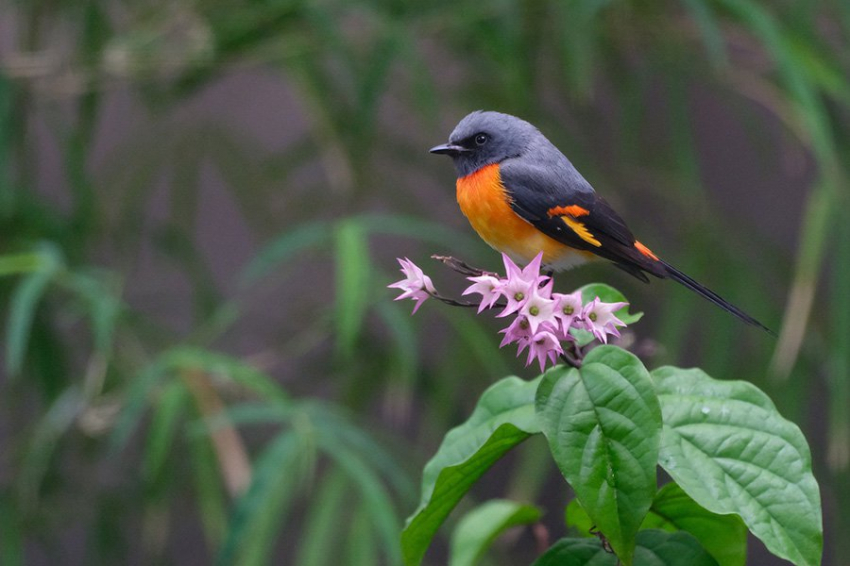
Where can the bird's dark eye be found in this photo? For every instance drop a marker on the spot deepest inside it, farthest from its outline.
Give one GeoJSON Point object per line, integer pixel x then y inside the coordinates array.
{"type": "Point", "coordinates": [481, 139]}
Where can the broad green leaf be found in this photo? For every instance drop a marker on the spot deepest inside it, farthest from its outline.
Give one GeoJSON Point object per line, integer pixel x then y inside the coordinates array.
{"type": "Point", "coordinates": [723, 536]}
{"type": "Point", "coordinates": [603, 425]}
{"type": "Point", "coordinates": [729, 449]}
{"type": "Point", "coordinates": [606, 294]}
{"type": "Point", "coordinates": [503, 417]}
{"type": "Point", "coordinates": [654, 548]}
{"type": "Point", "coordinates": [577, 519]}
{"type": "Point", "coordinates": [477, 530]}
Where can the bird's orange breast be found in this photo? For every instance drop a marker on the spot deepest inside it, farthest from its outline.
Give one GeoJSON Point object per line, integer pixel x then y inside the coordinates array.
{"type": "Point", "coordinates": [486, 204]}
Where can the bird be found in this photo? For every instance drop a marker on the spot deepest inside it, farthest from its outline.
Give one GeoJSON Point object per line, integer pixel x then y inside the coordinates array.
{"type": "Point", "coordinates": [523, 197]}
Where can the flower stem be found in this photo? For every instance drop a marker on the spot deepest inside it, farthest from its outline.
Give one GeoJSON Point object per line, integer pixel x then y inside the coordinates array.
{"type": "Point", "coordinates": [462, 267]}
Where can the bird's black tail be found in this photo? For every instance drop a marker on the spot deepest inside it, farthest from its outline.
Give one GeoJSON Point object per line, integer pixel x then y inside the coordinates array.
{"type": "Point", "coordinates": [683, 279]}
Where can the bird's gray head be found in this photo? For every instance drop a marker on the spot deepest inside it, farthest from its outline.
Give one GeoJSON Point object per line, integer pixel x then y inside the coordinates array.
{"type": "Point", "coordinates": [482, 138]}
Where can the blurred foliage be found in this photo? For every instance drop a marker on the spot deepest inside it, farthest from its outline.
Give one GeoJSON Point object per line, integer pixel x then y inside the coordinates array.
{"type": "Point", "coordinates": [157, 398]}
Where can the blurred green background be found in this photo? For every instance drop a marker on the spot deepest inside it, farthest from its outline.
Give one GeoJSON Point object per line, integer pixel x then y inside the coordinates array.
{"type": "Point", "coordinates": [200, 207]}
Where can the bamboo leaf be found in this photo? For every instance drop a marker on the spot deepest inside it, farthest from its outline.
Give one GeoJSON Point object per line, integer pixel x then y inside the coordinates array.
{"type": "Point", "coordinates": [352, 283]}
{"type": "Point", "coordinates": [23, 304]}
{"type": "Point", "coordinates": [254, 523]}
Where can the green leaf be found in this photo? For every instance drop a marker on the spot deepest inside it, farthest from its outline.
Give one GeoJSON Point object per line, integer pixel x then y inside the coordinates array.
{"type": "Point", "coordinates": [352, 283]}
{"type": "Point", "coordinates": [318, 541]}
{"type": "Point", "coordinates": [11, 533]}
{"type": "Point", "coordinates": [172, 402]}
{"type": "Point", "coordinates": [723, 536]}
{"type": "Point", "coordinates": [577, 519]}
{"type": "Point", "coordinates": [23, 303]}
{"type": "Point", "coordinates": [503, 417]}
{"type": "Point", "coordinates": [209, 489]}
{"type": "Point", "coordinates": [7, 134]}
{"type": "Point", "coordinates": [375, 498]}
{"type": "Point", "coordinates": [99, 289]}
{"type": "Point", "coordinates": [606, 294]}
{"type": "Point", "coordinates": [284, 247]}
{"type": "Point", "coordinates": [477, 530]}
{"type": "Point", "coordinates": [361, 547]}
{"type": "Point", "coordinates": [13, 264]}
{"type": "Point", "coordinates": [603, 425]}
{"type": "Point", "coordinates": [193, 359]}
{"type": "Point", "coordinates": [43, 442]}
{"type": "Point", "coordinates": [254, 524]}
{"type": "Point", "coordinates": [654, 548]}
{"type": "Point", "coordinates": [729, 449]}
{"type": "Point", "coordinates": [422, 230]}
{"type": "Point", "coordinates": [712, 35]}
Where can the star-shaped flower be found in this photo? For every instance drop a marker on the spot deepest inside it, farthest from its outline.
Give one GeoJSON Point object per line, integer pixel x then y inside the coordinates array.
{"type": "Point", "coordinates": [567, 310]}
{"type": "Point", "coordinates": [539, 307]}
{"type": "Point", "coordinates": [518, 331]}
{"type": "Point", "coordinates": [416, 285]}
{"type": "Point", "coordinates": [599, 319]}
{"type": "Point", "coordinates": [488, 287]}
{"type": "Point", "coordinates": [520, 283]}
{"type": "Point", "coordinates": [544, 345]}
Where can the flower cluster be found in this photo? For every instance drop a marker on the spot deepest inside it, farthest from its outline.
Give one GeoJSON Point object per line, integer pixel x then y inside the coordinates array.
{"type": "Point", "coordinates": [542, 318]}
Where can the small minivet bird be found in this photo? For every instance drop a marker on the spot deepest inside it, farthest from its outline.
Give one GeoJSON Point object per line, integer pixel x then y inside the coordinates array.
{"type": "Point", "coordinates": [523, 196]}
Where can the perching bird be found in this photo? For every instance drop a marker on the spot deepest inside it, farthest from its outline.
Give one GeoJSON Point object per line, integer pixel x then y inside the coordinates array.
{"type": "Point", "coordinates": [523, 196]}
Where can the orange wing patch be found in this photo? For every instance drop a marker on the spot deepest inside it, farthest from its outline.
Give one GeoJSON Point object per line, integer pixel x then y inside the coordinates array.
{"type": "Point", "coordinates": [581, 231]}
{"type": "Point", "coordinates": [645, 251]}
{"type": "Point", "coordinates": [573, 210]}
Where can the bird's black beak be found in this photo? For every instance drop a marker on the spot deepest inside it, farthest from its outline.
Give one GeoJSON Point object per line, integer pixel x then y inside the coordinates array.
{"type": "Point", "coordinates": [448, 149]}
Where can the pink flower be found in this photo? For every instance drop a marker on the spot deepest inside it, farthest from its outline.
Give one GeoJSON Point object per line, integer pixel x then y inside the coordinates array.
{"type": "Point", "coordinates": [520, 283]}
{"type": "Point", "coordinates": [539, 308]}
{"type": "Point", "coordinates": [567, 310]}
{"type": "Point", "coordinates": [518, 331]}
{"type": "Point", "coordinates": [416, 285]}
{"type": "Point", "coordinates": [488, 287]}
{"type": "Point", "coordinates": [544, 345]}
{"type": "Point", "coordinates": [599, 319]}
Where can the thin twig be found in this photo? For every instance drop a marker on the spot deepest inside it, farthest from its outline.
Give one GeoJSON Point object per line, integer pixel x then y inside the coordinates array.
{"type": "Point", "coordinates": [574, 356]}
{"type": "Point", "coordinates": [606, 545]}
{"type": "Point", "coordinates": [462, 267]}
